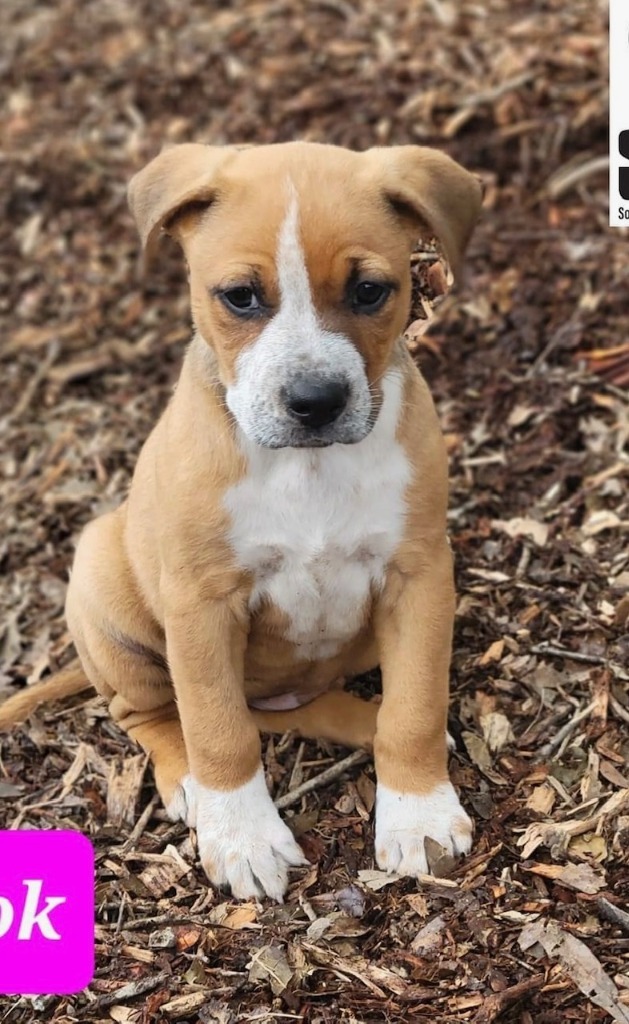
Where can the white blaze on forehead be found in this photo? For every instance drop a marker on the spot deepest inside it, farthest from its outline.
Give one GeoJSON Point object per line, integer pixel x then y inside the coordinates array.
{"type": "Point", "coordinates": [296, 324]}
{"type": "Point", "coordinates": [292, 273]}
{"type": "Point", "coordinates": [294, 343]}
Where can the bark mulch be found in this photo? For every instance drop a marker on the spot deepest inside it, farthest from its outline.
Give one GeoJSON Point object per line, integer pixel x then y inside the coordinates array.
{"type": "Point", "coordinates": [528, 363]}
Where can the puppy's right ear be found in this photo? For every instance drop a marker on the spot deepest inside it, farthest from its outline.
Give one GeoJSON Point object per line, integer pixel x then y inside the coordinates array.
{"type": "Point", "coordinates": [180, 180]}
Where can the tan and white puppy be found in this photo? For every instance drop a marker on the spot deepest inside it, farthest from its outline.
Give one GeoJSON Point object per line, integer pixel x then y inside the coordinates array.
{"type": "Point", "coordinates": [286, 524]}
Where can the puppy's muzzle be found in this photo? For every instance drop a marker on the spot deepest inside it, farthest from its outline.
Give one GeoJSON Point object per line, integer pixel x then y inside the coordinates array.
{"type": "Point", "coordinates": [315, 401]}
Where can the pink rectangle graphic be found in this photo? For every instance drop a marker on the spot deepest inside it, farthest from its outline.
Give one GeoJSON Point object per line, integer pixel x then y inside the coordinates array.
{"type": "Point", "coordinates": [46, 912]}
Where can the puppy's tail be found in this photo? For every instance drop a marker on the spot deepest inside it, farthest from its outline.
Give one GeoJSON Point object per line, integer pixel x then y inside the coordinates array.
{"type": "Point", "coordinates": [62, 684]}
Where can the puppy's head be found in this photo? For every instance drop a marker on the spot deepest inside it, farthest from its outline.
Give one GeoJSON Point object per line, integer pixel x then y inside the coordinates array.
{"type": "Point", "coordinates": [299, 270]}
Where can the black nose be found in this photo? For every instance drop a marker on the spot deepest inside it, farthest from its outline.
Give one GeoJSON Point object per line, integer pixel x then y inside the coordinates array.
{"type": "Point", "coordinates": [314, 402]}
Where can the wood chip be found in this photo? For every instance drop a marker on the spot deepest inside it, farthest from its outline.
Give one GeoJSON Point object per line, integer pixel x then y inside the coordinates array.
{"type": "Point", "coordinates": [164, 872]}
{"type": "Point", "coordinates": [123, 788]}
{"type": "Point", "coordinates": [184, 1006]}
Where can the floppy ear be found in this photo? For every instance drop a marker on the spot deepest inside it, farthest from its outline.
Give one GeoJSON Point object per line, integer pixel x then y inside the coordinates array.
{"type": "Point", "coordinates": [180, 178]}
{"type": "Point", "coordinates": [426, 187]}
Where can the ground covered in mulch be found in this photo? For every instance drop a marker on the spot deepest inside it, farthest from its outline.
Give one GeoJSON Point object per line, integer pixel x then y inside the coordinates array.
{"type": "Point", "coordinates": [528, 364]}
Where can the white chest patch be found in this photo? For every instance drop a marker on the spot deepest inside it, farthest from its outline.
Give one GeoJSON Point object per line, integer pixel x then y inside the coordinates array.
{"type": "Point", "coordinates": [317, 527]}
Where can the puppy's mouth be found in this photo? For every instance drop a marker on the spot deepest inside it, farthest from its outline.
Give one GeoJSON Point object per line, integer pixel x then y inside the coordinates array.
{"type": "Point", "coordinates": [308, 410]}
{"type": "Point", "coordinates": [282, 432]}
{"type": "Point", "coordinates": [311, 442]}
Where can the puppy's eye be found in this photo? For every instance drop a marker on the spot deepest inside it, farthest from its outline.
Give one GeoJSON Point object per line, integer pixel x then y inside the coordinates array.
{"type": "Point", "coordinates": [241, 300]}
{"type": "Point", "coordinates": [369, 296]}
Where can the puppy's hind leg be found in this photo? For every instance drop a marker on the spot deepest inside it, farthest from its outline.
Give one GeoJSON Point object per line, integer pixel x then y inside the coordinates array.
{"type": "Point", "coordinates": [336, 716]}
{"type": "Point", "coordinates": [122, 649]}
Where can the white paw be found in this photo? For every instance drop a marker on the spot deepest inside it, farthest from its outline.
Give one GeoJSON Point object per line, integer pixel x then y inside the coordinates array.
{"type": "Point", "coordinates": [242, 840]}
{"type": "Point", "coordinates": [404, 821]}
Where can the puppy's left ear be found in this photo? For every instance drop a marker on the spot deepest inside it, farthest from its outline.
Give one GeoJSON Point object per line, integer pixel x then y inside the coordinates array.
{"type": "Point", "coordinates": [179, 181]}
{"type": "Point", "coordinates": [427, 188]}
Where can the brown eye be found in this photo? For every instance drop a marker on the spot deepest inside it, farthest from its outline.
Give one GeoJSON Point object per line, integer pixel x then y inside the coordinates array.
{"type": "Point", "coordinates": [369, 296]}
{"type": "Point", "coordinates": [241, 301]}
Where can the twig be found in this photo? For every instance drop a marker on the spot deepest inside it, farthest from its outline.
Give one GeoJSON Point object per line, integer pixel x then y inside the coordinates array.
{"type": "Point", "coordinates": [121, 910]}
{"type": "Point", "coordinates": [558, 337]}
{"type": "Point", "coordinates": [565, 730]}
{"type": "Point", "coordinates": [297, 773]}
{"type": "Point", "coordinates": [140, 825]}
{"type": "Point", "coordinates": [330, 959]}
{"type": "Point", "coordinates": [139, 923]}
{"type": "Point", "coordinates": [494, 1004]}
{"type": "Point", "coordinates": [562, 652]}
{"type": "Point", "coordinates": [568, 176]}
{"type": "Point", "coordinates": [490, 95]}
{"type": "Point", "coordinates": [28, 394]}
{"type": "Point", "coordinates": [618, 709]}
{"type": "Point", "coordinates": [613, 913]}
{"type": "Point", "coordinates": [331, 773]}
{"type": "Point", "coordinates": [130, 991]}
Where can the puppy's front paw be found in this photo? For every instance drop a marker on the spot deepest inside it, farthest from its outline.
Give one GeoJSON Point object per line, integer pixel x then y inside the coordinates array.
{"type": "Point", "coordinates": [242, 840]}
{"type": "Point", "coordinates": [404, 821]}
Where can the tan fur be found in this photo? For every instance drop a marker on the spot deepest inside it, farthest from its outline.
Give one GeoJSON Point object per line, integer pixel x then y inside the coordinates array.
{"type": "Point", "coordinates": [21, 705]}
{"type": "Point", "coordinates": [158, 575]}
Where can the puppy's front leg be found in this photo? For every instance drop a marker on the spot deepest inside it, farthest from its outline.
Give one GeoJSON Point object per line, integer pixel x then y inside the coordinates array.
{"type": "Point", "coordinates": [242, 840]}
{"type": "Point", "coordinates": [415, 798]}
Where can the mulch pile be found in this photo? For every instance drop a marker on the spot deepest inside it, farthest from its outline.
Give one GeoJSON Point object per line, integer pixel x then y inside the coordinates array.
{"type": "Point", "coordinates": [528, 364]}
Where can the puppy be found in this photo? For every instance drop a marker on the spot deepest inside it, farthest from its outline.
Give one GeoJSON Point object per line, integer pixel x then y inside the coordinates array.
{"type": "Point", "coordinates": [286, 524]}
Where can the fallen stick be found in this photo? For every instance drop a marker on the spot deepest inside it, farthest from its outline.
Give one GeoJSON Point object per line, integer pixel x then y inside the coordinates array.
{"type": "Point", "coordinates": [131, 991]}
{"type": "Point", "coordinates": [563, 652]}
{"type": "Point", "coordinates": [565, 730]}
{"type": "Point", "coordinates": [317, 781]}
{"type": "Point", "coordinates": [494, 1004]}
{"type": "Point", "coordinates": [140, 825]}
{"type": "Point", "coordinates": [613, 913]}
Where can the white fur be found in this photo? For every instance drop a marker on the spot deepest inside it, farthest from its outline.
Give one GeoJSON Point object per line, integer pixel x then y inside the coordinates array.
{"type": "Point", "coordinates": [295, 343]}
{"type": "Point", "coordinates": [404, 821]}
{"type": "Point", "coordinates": [316, 527]}
{"type": "Point", "coordinates": [242, 840]}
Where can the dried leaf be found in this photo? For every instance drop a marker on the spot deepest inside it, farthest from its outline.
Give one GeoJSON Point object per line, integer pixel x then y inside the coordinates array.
{"type": "Point", "coordinates": [580, 877]}
{"type": "Point", "coordinates": [591, 845]}
{"type": "Point", "coordinates": [611, 774]}
{"type": "Point", "coordinates": [430, 938]}
{"type": "Point", "coordinates": [579, 963]}
{"type": "Point", "coordinates": [125, 1014]}
{"type": "Point", "coordinates": [216, 1012]}
{"type": "Point", "coordinates": [440, 861]}
{"type": "Point", "coordinates": [317, 928]}
{"type": "Point", "coordinates": [270, 964]}
{"type": "Point", "coordinates": [367, 790]}
{"type": "Point", "coordinates": [376, 880]}
{"type": "Point", "coordinates": [497, 730]}
{"type": "Point", "coordinates": [437, 279]}
{"type": "Point", "coordinates": [418, 904]}
{"type": "Point", "coordinates": [235, 917]}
